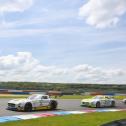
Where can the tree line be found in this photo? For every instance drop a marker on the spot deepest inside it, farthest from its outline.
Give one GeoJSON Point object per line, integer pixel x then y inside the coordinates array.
{"type": "Point", "coordinates": [44, 86]}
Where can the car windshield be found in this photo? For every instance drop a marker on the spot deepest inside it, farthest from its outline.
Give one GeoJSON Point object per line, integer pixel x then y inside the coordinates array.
{"type": "Point", "coordinates": [98, 97]}
{"type": "Point", "coordinates": [32, 97]}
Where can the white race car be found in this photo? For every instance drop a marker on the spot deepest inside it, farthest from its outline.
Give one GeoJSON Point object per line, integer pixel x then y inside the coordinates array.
{"type": "Point", "coordinates": [33, 102]}
{"type": "Point", "coordinates": [99, 101]}
{"type": "Point", "coordinates": [124, 101]}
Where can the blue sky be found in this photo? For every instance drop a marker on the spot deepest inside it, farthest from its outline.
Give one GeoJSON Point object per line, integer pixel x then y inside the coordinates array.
{"type": "Point", "coordinates": [57, 35]}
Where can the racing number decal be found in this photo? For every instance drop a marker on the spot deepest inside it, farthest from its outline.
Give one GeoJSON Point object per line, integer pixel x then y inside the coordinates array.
{"type": "Point", "coordinates": [107, 102]}
{"type": "Point", "coordinates": [102, 102]}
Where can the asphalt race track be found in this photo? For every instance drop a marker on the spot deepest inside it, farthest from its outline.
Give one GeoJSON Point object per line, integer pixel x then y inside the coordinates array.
{"type": "Point", "coordinates": [68, 105]}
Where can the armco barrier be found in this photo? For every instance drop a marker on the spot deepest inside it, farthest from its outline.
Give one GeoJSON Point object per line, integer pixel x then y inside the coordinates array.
{"type": "Point", "coordinates": [20, 93]}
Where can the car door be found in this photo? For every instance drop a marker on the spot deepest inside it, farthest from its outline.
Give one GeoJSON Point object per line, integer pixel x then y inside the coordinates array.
{"type": "Point", "coordinates": [102, 101]}
{"type": "Point", "coordinates": [37, 103]}
{"type": "Point", "coordinates": [45, 100]}
{"type": "Point", "coordinates": [107, 101]}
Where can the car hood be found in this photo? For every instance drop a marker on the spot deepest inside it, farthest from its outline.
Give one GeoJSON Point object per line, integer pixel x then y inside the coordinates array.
{"type": "Point", "coordinates": [17, 101]}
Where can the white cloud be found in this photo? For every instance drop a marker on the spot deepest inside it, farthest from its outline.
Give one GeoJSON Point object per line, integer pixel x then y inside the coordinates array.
{"type": "Point", "coordinates": [9, 6]}
{"type": "Point", "coordinates": [22, 61]}
{"type": "Point", "coordinates": [96, 73]}
{"type": "Point", "coordinates": [24, 67]}
{"type": "Point", "coordinates": [15, 5]}
{"type": "Point", "coordinates": [103, 13]}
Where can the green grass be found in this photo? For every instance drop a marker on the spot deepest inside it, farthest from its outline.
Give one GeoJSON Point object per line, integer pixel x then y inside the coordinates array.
{"type": "Point", "coordinates": [73, 97]}
{"type": "Point", "coordinates": [120, 97]}
{"type": "Point", "coordinates": [86, 96]}
{"type": "Point", "coordinates": [13, 96]}
{"type": "Point", "coordinates": [91, 119]}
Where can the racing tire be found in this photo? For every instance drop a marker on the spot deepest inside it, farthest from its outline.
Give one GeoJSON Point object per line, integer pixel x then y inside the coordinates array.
{"type": "Point", "coordinates": [53, 105]}
{"type": "Point", "coordinates": [28, 107]}
{"type": "Point", "coordinates": [113, 104]}
{"type": "Point", "coordinates": [125, 102]}
{"type": "Point", "coordinates": [98, 105]}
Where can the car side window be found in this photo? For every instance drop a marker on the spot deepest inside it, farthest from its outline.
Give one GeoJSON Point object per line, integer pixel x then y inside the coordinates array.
{"type": "Point", "coordinates": [44, 97]}
{"type": "Point", "coordinates": [107, 97]}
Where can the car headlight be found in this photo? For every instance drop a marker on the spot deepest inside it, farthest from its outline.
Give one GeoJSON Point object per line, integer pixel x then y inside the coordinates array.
{"type": "Point", "coordinates": [92, 103]}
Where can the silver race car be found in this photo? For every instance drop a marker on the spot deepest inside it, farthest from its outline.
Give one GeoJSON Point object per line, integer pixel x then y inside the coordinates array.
{"type": "Point", "coordinates": [99, 101]}
{"type": "Point", "coordinates": [33, 102]}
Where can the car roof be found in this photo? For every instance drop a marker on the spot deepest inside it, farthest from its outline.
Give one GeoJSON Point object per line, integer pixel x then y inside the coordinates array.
{"type": "Point", "coordinates": [103, 96]}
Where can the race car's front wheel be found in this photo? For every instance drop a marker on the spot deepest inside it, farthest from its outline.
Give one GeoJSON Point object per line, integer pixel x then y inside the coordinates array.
{"type": "Point", "coordinates": [28, 107]}
{"type": "Point", "coordinates": [125, 102]}
{"type": "Point", "coordinates": [98, 105]}
{"type": "Point", "coordinates": [53, 105]}
{"type": "Point", "coordinates": [113, 104]}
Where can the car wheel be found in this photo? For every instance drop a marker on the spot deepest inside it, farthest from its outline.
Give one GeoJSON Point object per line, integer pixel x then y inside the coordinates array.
{"type": "Point", "coordinates": [125, 102]}
{"type": "Point", "coordinates": [98, 105]}
{"type": "Point", "coordinates": [53, 105]}
{"type": "Point", "coordinates": [28, 107]}
{"type": "Point", "coordinates": [113, 104]}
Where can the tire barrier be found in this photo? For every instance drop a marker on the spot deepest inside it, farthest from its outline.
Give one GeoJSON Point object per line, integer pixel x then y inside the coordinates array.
{"type": "Point", "coordinates": [55, 113]}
